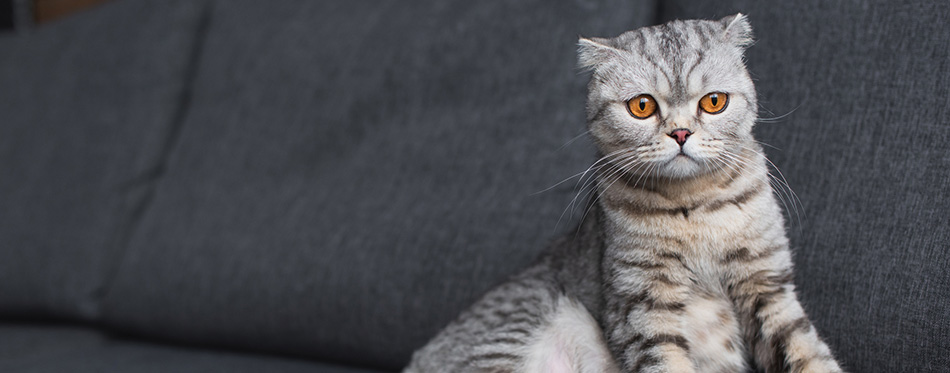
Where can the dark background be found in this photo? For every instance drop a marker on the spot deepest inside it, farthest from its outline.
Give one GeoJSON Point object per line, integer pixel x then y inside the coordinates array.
{"type": "Point", "coordinates": [6, 15]}
{"type": "Point", "coordinates": [39, 12]}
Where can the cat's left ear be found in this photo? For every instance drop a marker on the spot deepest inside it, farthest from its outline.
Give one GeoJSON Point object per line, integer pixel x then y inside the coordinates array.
{"type": "Point", "coordinates": [738, 31]}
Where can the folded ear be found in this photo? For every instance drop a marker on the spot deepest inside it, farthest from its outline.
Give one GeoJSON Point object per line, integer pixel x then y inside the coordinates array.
{"type": "Point", "coordinates": [592, 52]}
{"type": "Point", "coordinates": [738, 31]}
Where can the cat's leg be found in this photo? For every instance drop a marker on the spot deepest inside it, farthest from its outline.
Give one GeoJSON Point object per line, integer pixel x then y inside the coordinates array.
{"type": "Point", "coordinates": [571, 342]}
{"type": "Point", "coordinates": [646, 297]}
{"type": "Point", "coordinates": [781, 336]}
{"type": "Point", "coordinates": [493, 334]}
{"type": "Point", "coordinates": [525, 325]}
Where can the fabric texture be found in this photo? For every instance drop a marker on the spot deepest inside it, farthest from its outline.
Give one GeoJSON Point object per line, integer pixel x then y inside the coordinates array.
{"type": "Point", "coordinates": [87, 105]}
{"type": "Point", "coordinates": [337, 180]}
{"type": "Point", "coordinates": [861, 101]}
{"type": "Point", "coordinates": [41, 348]}
{"type": "Point", "coordinates": [354, 174]}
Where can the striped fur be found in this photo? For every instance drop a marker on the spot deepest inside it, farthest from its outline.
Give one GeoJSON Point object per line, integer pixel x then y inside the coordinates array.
{"type": "Point", "coordinates": [683, 264]}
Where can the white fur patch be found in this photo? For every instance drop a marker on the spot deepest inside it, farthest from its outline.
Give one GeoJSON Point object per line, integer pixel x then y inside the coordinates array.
{"type": "Point", "coordinates": [572, 342]}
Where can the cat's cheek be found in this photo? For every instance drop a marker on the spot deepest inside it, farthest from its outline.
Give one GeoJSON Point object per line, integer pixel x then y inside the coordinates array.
{"type": "Point", "coordinates": [622, 135]}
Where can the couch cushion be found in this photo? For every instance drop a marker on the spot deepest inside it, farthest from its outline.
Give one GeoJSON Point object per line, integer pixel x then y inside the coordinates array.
{"type": "Point", "coordinates": [353, 174]}
{"type": "Point", "coordinates": [33, 348]}
{"type": "Point", "coordinates": [88, 105]}
{"type": "Point", "coordinates": [864, 145]}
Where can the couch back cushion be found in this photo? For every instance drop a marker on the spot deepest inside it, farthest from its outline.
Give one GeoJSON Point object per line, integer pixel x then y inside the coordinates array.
{"type": "Point", "coordinates": [87, 106]}
{"type": "Point", "coordinates": [861, 96]}
{"type": "Point", "coordinates": [352, 174]}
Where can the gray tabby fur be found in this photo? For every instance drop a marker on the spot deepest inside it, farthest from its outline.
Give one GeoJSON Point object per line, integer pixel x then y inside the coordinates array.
{"type": "Point", "coordinates": [682, 264]}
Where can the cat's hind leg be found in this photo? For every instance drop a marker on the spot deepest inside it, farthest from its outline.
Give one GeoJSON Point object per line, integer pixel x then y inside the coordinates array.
{"type": "Point", "coordinates": [570, 342]}
{"type": "Point", "coordinates": [525, 325]}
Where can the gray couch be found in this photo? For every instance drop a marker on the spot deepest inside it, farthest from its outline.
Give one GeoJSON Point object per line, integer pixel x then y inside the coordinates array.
{"type": "Point", "coordinates": [283, 186]}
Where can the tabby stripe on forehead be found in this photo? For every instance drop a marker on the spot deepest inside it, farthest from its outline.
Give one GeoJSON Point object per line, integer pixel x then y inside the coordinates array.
{"type": "Point", "coordinates": [642, 41]}
{"type": "Point", "coordinates": [700, 30]}
{"type": "Point", "coordinates": [699, 59]}
{"type": "Point", "coordinates": [711, 30]}
{"type": "Point", "coordinates": [652, 60]}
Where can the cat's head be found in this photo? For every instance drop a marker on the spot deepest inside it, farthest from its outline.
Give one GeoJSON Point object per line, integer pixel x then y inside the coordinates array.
{"type": "Point", "coordinates": [671, 101]}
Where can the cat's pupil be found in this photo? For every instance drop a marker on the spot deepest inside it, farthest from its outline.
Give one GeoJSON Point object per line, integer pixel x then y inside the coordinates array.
{"type": "Point", "coordinates": [643, 104]}
{"type": "Point", "coordinates": [714, 99]}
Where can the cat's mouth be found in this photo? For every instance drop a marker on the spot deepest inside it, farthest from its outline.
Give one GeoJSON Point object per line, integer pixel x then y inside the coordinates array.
{"type": "Point", "coordinates": [682, 156]}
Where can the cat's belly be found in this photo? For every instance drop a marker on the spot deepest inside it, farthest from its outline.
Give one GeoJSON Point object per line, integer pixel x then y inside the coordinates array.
{"type": "Point", "coordinates": [714, 336]}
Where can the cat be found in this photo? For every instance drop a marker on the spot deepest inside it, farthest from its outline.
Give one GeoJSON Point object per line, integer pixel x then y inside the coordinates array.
{"type": "Point", "coordinates": [682, 262]}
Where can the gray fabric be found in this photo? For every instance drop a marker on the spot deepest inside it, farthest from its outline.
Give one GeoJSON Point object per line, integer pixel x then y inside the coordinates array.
{"type": "Point", "coordinates": [353, 174]}
{"type": "Point", "coordinates": [87, 106]}
{"type": "Point", "coordinates": [29, 348]}
{"type": "Point", "coordinates": [349, 176]}
{"type": "Point", "coordinates": [865, 149]}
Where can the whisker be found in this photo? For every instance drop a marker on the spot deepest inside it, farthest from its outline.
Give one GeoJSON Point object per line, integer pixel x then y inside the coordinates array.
{"type": "Point", "coordinates": [780, 117]}
{"type": "Point", "coordinates": [572, 140]}
{"type": "Point", "coordinates": [616, 175]}
{"type": "Point", "coordinates": [782, 189]}
{"type": "Point", "coordinates": [589, 176]}
{"type": "Point", "coordinates": [769, 145]}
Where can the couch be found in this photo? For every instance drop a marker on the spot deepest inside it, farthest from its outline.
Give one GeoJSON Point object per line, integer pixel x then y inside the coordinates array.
{"type": "Point", "coordinates": [284, 186]}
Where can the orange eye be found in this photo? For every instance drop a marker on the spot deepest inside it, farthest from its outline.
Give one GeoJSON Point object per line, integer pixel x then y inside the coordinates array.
{"type": "Point", "coordinates": [642, 106]}
{"type": "Point", "coordinates": [714, 102]}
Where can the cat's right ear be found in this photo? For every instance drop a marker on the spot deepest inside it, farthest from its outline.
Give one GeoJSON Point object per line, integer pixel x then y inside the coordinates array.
{"type": "Point", "coordinates": [593, 52]}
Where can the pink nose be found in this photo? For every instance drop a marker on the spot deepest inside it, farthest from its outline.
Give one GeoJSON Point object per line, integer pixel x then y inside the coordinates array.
{"type": "Point", "coordinates": [680, 134]}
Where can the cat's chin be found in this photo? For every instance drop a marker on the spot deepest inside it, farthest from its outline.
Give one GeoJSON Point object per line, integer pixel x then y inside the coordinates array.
{"type": "Point", "coordinates": [682, 166]}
